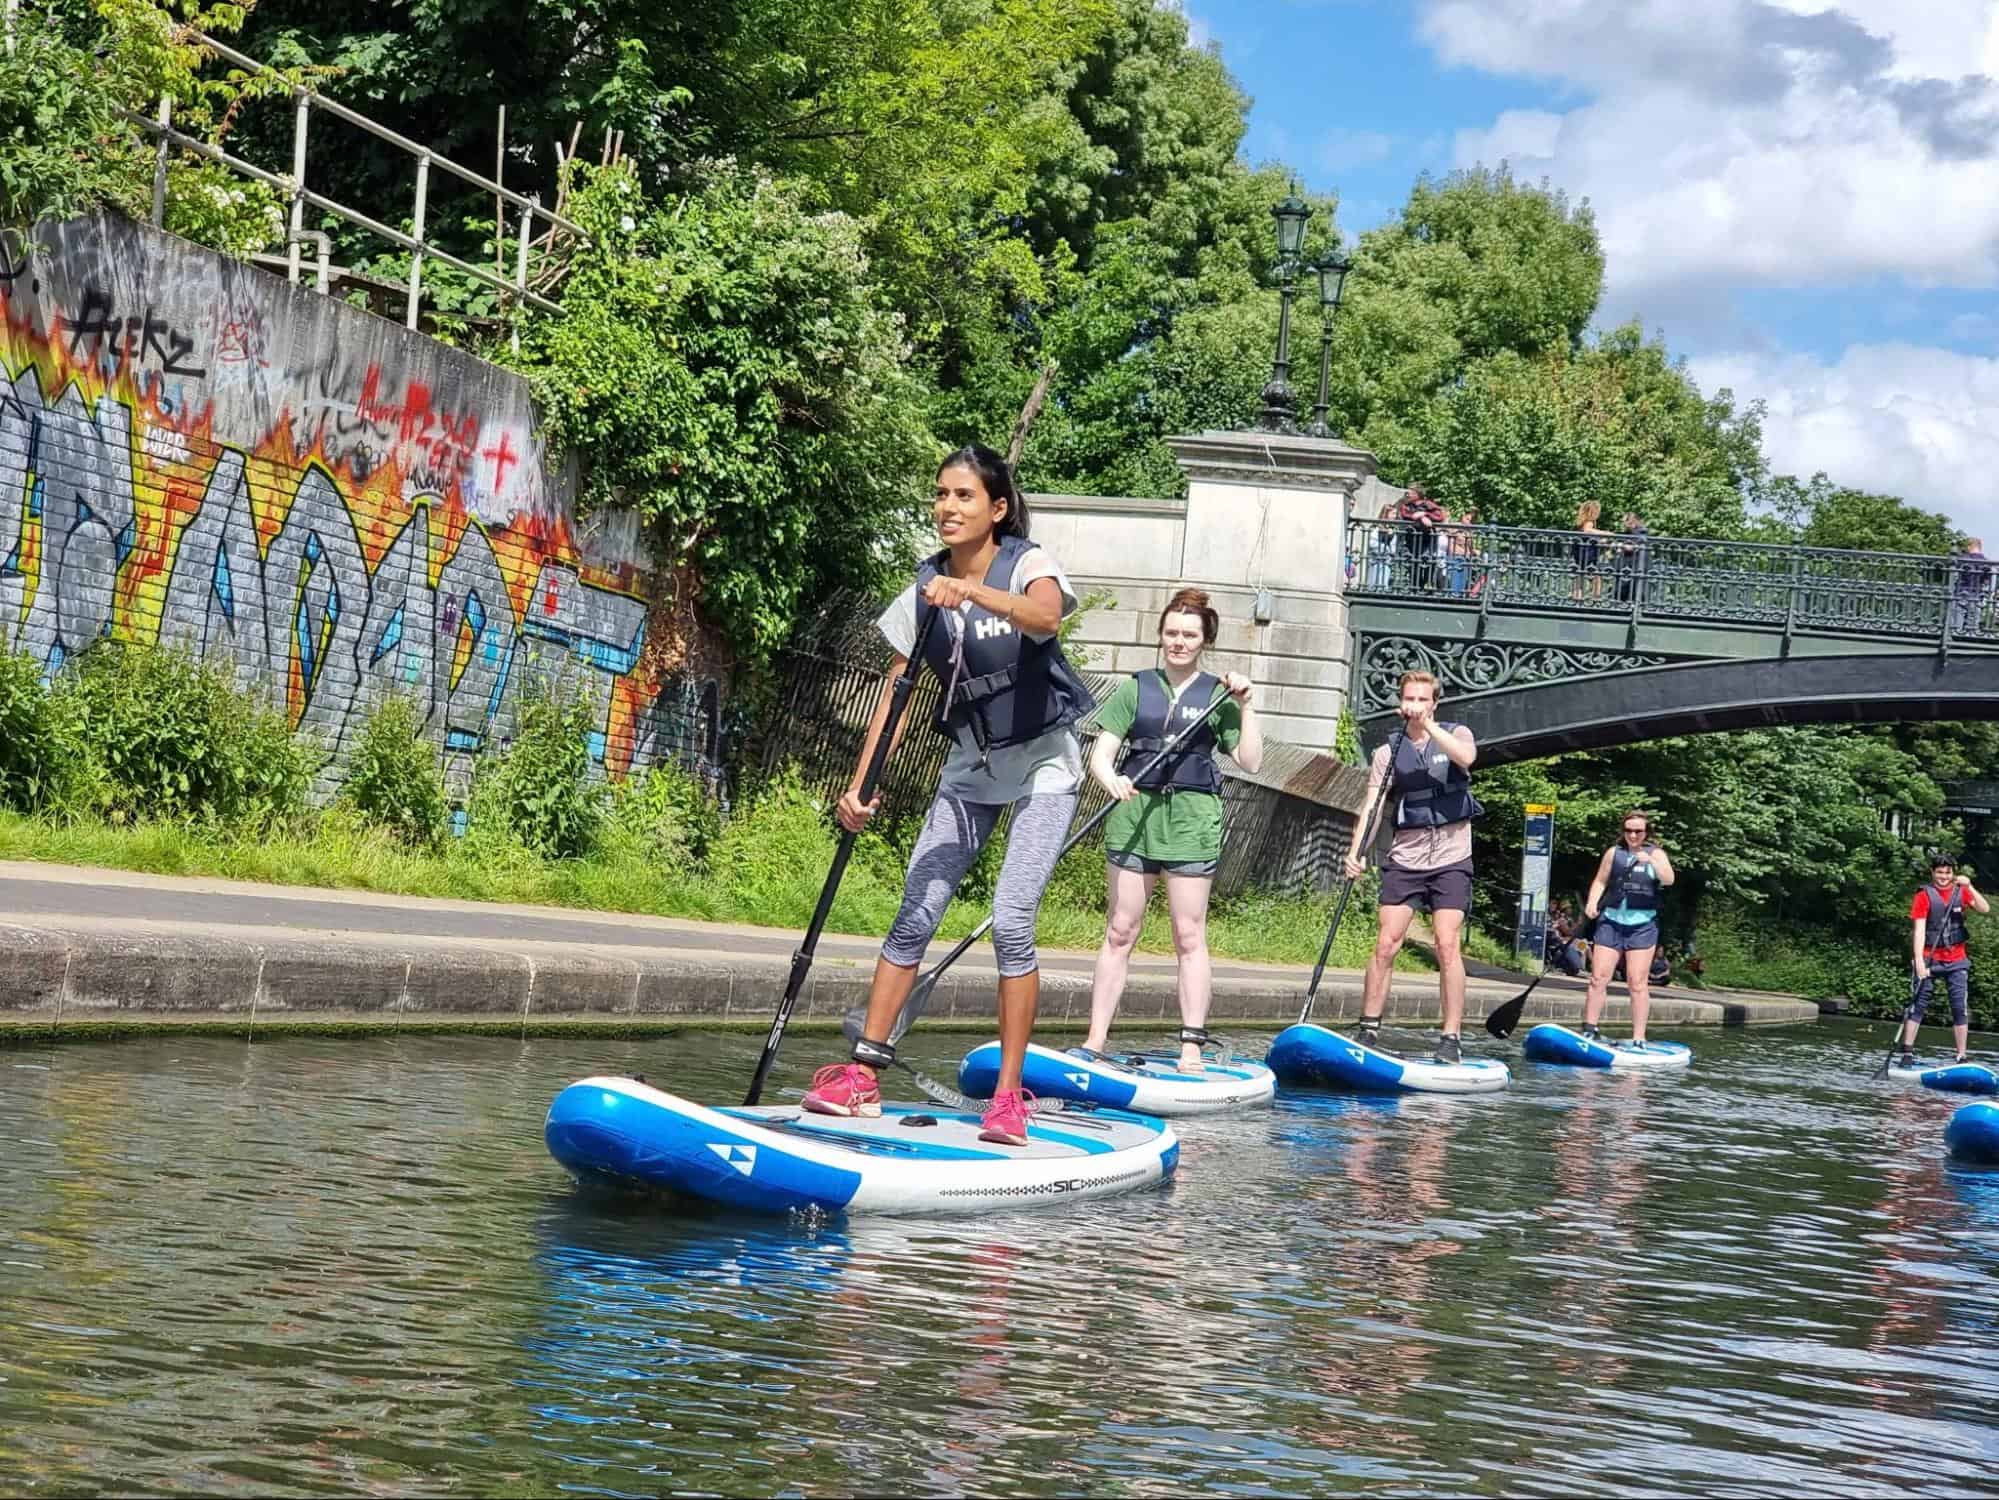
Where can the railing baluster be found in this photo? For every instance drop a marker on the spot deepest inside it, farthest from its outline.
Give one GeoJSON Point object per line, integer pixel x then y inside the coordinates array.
{"type": "Point", "coordinates": [299, 119]}
{"type": "Point", "coordinates": [416, 233]}
{"type": "Point", "coordinates": [159, 160]}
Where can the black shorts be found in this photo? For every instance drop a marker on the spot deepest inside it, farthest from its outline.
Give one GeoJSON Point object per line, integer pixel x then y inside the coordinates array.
{"type": "Point", "coordinates": [1448, 889]}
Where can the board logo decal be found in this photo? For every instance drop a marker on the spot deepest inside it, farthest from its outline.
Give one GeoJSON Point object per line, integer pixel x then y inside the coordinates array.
{"type": "Point", "coordinates": [742, 1158]}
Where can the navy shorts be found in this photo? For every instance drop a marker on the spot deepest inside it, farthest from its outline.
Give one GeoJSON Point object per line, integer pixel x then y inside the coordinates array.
{"type": "Point", "coordinates": [1621, 939]}
{"type": "Point", "coordinates": [1448, 889]}
{"type": "Point", "coordinates": [1957, 983]}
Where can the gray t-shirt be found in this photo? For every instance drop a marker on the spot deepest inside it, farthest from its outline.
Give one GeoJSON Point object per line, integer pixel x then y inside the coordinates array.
{"type": "Point", "coordinates": [1053, 762]}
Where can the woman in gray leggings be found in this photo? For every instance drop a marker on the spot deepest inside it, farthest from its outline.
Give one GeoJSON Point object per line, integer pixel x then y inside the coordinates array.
{"type": "Point", "coordinates": [1009, 705]}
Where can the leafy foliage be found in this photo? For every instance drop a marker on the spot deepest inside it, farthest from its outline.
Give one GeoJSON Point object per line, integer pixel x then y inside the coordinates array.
{"type": "Point", "coordinates": [67, 144]}
{"type": "Point", "coordinates": [45, 763]}
{"type": "Point", "coordinates": [725, 365]}
{"type": "Point", "coordinates": [539, 793]}
{"type": "Point", "coordinates": [663, 816]}
{"type": "Point", "coordinates": [177, 740]}
{"type": "Point", "coordinates": [392, 777]}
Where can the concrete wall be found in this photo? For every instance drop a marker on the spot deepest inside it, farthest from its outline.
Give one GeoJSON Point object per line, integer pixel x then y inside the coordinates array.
{"type": "Point", "coordinates": [196, 452]}
{"type": "Point", "coordinates": [1262, 513]}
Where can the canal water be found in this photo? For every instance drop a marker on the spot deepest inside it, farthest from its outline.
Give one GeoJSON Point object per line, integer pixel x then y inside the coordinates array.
{"type": "Point", "coordinates": [320, 1267]}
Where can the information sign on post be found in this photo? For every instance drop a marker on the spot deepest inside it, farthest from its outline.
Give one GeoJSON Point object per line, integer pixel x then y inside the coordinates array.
{"type": "Point", "coordinates": [1537, 855]}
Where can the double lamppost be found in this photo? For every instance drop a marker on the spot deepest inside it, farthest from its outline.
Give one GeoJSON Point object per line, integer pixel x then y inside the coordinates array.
{"type": "Point", "coordinates": [1280, 406]}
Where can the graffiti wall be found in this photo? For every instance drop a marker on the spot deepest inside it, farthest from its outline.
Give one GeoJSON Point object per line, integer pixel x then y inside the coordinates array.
{"type": "Point", "coordinates": [194, 451]}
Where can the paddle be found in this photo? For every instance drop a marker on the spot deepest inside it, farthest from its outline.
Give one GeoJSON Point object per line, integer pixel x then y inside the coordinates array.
{"type": "Point", "coordinates": [1346, 889]}
{"type": "Point", "coordinates": [1502, 1021]}
{"type": "Point", "coordinates": [919, 996]}
{"type": "Point", "coordinates": [801, 961]}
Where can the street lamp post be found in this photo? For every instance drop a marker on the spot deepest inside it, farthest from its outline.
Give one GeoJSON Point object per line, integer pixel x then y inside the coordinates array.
{"type": "Point", "coordinates": [1332, 273]}
{"type": "Point", "coordinates": [1279, 405]}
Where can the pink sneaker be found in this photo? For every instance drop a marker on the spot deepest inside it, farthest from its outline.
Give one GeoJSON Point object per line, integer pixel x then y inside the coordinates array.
{"type": "Point", "coordinates": [844, 1089]}
{"type": "Point", "coordinates": [1006, 1117]}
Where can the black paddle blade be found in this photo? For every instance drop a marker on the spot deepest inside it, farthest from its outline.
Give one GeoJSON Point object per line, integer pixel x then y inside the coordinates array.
{"type": "Point", "coordinates": [1501, 1022]}
{"type": "Point", "coordinates": [854, 1024]}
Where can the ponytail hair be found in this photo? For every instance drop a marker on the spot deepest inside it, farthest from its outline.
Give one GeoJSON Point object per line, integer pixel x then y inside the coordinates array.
{"type": "Point", "coordinates": [1194, 602]}
{"type": "Point", "coordinates": [997, 476]}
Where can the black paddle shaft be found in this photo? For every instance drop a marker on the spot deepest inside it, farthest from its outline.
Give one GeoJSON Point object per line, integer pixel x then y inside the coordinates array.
{"type": "Point", "coordinates": [801, 961]}
{"type": "Point", "coordinates": [1346, 888]}
{"type": "Point", "coordinates": [919, 996]}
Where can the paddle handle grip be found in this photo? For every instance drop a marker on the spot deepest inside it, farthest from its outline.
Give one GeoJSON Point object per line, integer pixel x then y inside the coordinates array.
{"type": "Point", "coordinates": [801, 961]}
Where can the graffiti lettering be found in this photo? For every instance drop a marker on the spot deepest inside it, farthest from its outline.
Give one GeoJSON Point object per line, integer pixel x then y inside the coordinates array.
{"type": "Point", "coordinates": [375, 521]}
{"type": "Point", "coordinates": [132, 339]}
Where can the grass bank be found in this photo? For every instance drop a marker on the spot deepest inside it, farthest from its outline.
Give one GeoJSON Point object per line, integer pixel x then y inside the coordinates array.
{"type": "Point", "coordinates": [764, 867]}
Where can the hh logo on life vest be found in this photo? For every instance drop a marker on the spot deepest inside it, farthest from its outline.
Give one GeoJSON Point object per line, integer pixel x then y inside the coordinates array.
{"type": "Point", "coordinates": [742, 1158]}
{"type": "Point", "coordinates": [988, 628]}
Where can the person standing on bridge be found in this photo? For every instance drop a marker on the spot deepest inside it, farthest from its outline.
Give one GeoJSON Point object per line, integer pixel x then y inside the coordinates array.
{"type": "Point", "coordinates": [1429, 858]}
{"type": "Point", "coordinates": [1630, 876]}
{"type": "Point", "coordinates": [1170, 823]}
{"type": "Point", "coordinates": [1010, 704]}
{"type": "Point", "coordinates": [1937, 933]}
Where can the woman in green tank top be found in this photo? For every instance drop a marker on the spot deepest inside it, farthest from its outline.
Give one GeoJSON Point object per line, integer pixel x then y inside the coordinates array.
{"type": "Point", "coordinates": [1172, 826]}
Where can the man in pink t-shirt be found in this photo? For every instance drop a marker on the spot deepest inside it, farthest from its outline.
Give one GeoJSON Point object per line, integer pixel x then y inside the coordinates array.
{"type": "Point", "coordinates": [1429, 858]}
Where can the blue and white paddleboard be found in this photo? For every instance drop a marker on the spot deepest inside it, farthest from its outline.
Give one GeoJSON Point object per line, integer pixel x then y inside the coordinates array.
{"type": "Point", "coordinates": [1310, 1056]}
{"type": "Point", "coordinates": [1549, 1043]}
{"type": "Point", "coordinates": [1952, 1078]}
{"type": "Point", "coordinates": [1973, 1134]}
{"type": "Point", "coordinates": [1151, 1083]}
{"type": "Point", "coordinates": [913, 1159]}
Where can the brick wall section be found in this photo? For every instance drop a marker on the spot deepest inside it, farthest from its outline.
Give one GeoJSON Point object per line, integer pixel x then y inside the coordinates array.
{"type": "Point", "coordinates": [197, 452]}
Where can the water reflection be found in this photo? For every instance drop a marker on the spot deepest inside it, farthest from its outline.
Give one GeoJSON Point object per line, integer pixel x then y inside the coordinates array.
{"type": "Point", "coordinates": [315, 1268]}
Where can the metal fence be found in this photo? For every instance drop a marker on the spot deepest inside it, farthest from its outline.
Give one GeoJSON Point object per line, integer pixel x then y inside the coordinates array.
{"type": "Point", "coordinates": [534, 222]}
{"type": "Point", "coordinates": [1684, 578]}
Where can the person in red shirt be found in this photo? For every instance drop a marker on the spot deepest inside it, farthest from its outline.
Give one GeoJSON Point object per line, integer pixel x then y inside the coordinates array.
{"type": "Point", "coordinates": [1937, 922]}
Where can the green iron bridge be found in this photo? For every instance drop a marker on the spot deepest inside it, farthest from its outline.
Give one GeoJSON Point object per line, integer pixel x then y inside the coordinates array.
{"type": "Point", "coordinates": [1547, 641]}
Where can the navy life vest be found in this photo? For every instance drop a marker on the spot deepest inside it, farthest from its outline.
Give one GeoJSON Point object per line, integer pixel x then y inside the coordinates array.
{"type": "Point", "coordinates": [1192, 767]}
{"type": "Point", "coordinates": [1944, 926]}
{"type": "Point", "coordinates": [1010, 688]}
{"type": "Point", "coordinates": [1432, 789]}
{"type": "Point", "coordinates": [1632, 885]}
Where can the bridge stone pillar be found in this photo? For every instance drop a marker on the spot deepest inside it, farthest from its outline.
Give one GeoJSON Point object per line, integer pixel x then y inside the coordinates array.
{"type": "Point", "coordinates": [1265, 517]}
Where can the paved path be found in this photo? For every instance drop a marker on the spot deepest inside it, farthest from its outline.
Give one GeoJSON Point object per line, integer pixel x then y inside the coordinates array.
{"type": "Point", "coordinates": [101, 948]}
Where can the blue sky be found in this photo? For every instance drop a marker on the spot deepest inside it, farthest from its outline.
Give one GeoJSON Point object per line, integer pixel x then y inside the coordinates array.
{"type": "Point", "coordinates": [1801, 195]}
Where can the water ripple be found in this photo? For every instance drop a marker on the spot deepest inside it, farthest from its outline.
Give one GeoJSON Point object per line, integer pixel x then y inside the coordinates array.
{"type": "Point", "coordinates": [308, 1268]}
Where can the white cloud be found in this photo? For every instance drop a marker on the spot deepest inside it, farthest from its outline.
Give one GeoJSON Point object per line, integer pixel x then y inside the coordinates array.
{"type": "Point", "coordinates": [1733, 143]}
{"type": "Point", "coordinates": [1199, 32]}
{"type": "Point", "coordinates": [1338, 150]}
{"type": "Point", "coordinates": [1899, 419]}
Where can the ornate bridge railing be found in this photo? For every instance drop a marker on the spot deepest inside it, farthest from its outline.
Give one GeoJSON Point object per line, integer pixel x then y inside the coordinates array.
{"type": "Point", "coordinates": [1675, 578]}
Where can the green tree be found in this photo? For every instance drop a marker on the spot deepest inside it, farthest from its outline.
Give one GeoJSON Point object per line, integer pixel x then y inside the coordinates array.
{"type": "Point", "coordinates": [1527, 440]}
{"type": "Point", "coordinates": [725, 365]}
{"type": "Point", "coordinates": [1822, 514]}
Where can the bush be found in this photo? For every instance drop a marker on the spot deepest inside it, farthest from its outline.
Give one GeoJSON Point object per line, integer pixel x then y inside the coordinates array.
{"type": "Point", "coordinates": [540, 794]}
{"type": "Point", "coordinates": [393, 780]}
{"type": "Point", "coordinates": [662, 816]}
{"type": "Point", "coordinates": [177, 740]}
{"type": "Point", "coordinates": [45, 764]}
{"type": "Point", "coordinates": [771, 861]}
